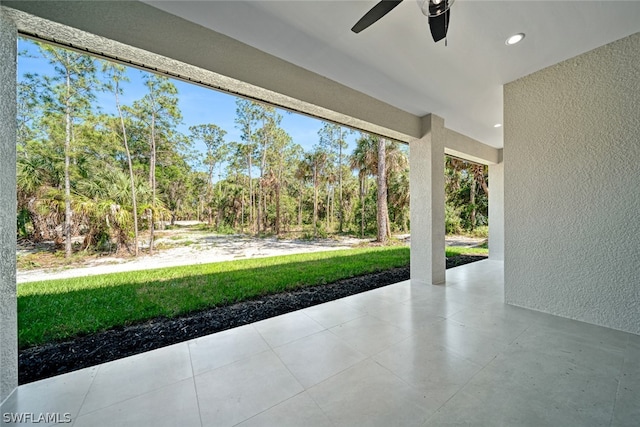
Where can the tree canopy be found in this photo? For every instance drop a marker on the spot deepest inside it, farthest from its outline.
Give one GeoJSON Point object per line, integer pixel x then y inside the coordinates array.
{"type": "Point", "coordinates": [95, 180]}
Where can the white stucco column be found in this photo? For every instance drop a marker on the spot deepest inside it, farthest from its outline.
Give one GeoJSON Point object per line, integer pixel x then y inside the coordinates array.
{"type": "Point", "coordinates": [426, 181]}
{"type": "Point", "coordinates": [8, 304]}
{"type": "Point", "coordinates": [496, 210]}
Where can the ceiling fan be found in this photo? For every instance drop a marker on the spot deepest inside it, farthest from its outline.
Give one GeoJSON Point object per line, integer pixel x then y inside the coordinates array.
{"type": "Point", "coordinates": [437, 11]}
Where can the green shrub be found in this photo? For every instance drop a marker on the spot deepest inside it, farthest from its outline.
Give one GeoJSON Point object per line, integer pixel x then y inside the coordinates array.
{"type": "Point", "coordinates": [482, 231]}
{"type": "Point", "coordinates": [453, 224]}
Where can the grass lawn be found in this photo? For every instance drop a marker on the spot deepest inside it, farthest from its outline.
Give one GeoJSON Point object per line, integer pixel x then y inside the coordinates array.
{"type": "Point", "coordinates": [452, 251]}
{"type": "Point", "coordinates": [57, 309]}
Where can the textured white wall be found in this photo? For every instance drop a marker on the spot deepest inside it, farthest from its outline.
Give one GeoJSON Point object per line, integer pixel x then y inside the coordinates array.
{"type": "Point", "coordinates": [572, 188]}
{"type": "Point", "coordinates": [8, 305]}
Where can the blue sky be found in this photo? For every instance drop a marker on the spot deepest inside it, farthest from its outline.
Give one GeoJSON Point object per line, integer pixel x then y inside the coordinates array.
{"type": "Point", "coordinates": [198, 105]}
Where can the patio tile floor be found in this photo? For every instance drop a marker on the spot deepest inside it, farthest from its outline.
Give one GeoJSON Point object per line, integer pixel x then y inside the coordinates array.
{"type": "Point", "coordinates": [399, 355]}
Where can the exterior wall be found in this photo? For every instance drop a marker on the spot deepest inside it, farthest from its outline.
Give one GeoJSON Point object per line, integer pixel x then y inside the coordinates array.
{"type": "Point", "coordinates": [426, 180]}
{"type": "Point", "coordinates": [496, 211]}
{"type": "Point", "coordinates": [8, 306]}
{"type": "Point", "coordinates": [572, 188]}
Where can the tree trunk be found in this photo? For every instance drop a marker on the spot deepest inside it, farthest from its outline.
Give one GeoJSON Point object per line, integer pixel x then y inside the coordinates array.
{"type": "Point", "coordinates": [363, 195]}
{"type": "Point", "coordinates": [315, 201]}
{"type": "Point", "coordinates": [328, 219]}
{"type": "Point", "coordinates": [67, 179]}
{"type": "Point", "coordinates": [382, 213]}
{"type": "Point", "coordinates": [251, 195]}
{"type": "Point", "coordinates": [134, 204]}
{"type": "Point", "coordinates": [278, 219]}
{"type": "Point", "coordinates": [472, 202]}
{"type": "Point", "coordinates": [152, 181]}
{"type": "Point", "coordinates": [210, 196]}
{"type": "Point", "coordinates": [340, 206]}
{"type": "Point", "coordinates": [300, 209]}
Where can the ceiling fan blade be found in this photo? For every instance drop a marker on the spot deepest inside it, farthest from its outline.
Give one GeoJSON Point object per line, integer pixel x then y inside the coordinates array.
{"type": "Point", "coordinates": [439, 25]}
{"type": "Point", "coordinates": [376, 12]}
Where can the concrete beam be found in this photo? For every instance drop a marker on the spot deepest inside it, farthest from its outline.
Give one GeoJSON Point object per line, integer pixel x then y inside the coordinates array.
{"type": "Point", "coordinates": [8, 302]}
{"type": "Point", "coordinates": [462, 146]}
{"type": "Point", "coordinates": [137, 33]}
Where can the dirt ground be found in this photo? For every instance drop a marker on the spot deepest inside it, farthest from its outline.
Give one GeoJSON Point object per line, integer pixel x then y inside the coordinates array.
{"type": "Point", "coordinates": [187, 246]}
{"type": "Point", "coordinates": [209, 248]}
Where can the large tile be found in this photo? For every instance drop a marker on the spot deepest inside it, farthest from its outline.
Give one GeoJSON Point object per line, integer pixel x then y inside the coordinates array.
{"type": "Point", "coordinates": [369, 395]}
{"type": "Point", "coordinates": [502, 406]}
{"type": "Point", "coordinates": [333, 313]}
{"type": "Point", "coordinates": [579, 349]}
{"type": "Point", "coordinates": [298, 411]}
{"type": "Point", "coordinates": [573, 329]}
{"type": "Point", "coordinates": [434, 370]}
{"type": "Point", "coordinates": [222, 348]}
{"type": "Point", "coordinates": [60, 396]}
{"type": "Point", "coordinates": [317, 357]}
{"type": "Point", "coordinates": [136, 375]}
{"type": "Point", "coordinates": [370, 303]}
{"type": "Point", "coordinates": [508, 312]}
{"type": "Point", "coordinates": [549, 388]}
{"type": "Point", "coordinates": [535, 385]}
{"type": "Point", "coordinates": [173, 405]}
{"type": "Point", "coordinates": [627, 407]}
{"type": "Point", "coordinates": [401, 292]}
{"type": "Point", "coordinates": [236, 392]}
{"type": "Point", "coordinates": [486, 272]}
{"type": "Point", "coordinates": [408, 317]}
{"type": "Point", "coordinates": [440, 307]}
{"type": "Point", "coordinates": [460, 296]}
{"type": "Point", "coordinates": [474, 345]}
{"type": "Point", "coordinates": [286, 328]}
{"type": "Point", "coordinates": [491, 322]}
{"type": "Point", "coordinates": [369, 335]}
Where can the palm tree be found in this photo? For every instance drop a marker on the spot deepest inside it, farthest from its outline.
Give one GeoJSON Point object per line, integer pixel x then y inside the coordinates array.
{"type": "Point", "coordinates": [104, 206]}
{"type": "Point", "coordinates": [365, 159]}
{"type": "Point", "coordinates": [311, 169]}
{"type": "Point", "coordinates": [40, 196]}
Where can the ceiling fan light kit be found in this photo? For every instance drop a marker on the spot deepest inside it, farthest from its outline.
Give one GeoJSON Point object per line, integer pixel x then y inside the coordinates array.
{"type": "Point", "coordinates": [438, 12]}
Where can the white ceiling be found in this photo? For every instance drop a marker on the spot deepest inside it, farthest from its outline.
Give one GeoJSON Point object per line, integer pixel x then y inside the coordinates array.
{"type": "Point", "coordinates": [397, 62]}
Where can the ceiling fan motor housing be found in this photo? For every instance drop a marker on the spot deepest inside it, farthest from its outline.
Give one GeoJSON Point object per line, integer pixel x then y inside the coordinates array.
{"type": "Point", "coordinates": [433, 8]}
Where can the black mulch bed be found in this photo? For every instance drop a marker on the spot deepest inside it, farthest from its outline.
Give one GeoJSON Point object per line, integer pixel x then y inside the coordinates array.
{"type": "Point", "coordinates": [48, 360]}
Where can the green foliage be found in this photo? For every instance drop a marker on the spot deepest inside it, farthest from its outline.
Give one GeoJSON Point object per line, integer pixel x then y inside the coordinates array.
{"type": "Point", "coordinates": [482, 231]}
{"type": "Point", "coordinates": [467, 201]}
{"type": "Point", "coordinates": [452, 221]}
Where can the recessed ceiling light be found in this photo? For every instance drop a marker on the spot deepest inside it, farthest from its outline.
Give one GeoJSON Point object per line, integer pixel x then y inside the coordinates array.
{"type": "Point", "coordinates": [516, 38]}
{"type": "Point", "coordinates": [497, 125]}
